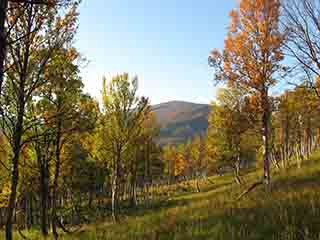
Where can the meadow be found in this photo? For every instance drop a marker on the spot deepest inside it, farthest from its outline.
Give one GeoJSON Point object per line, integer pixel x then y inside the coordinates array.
{"type": "Point", "coordinates": [289, 209]}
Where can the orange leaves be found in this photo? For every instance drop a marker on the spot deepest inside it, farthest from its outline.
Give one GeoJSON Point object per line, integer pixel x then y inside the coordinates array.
{"type": "Point", "coordinates": [215, 54]}
{"type": "Point", "coordinates": [176, 162]}
{"type": "Point", "coordinates": [253, 47]}
{"type": "Point", "coordinates": [254, 103]}
{"type": "Point", "coordinates": [180, 163]}
{"type": "Point", "coordinates": [234, 21]}
{"type": "Point", "coordinates": [72, 54]}
{"type": "Point", "coordinates": [4, 195]}
{"type": "Point", "coordinates": [52, 3]}
{"type": "Point", "coordinates": [229, 43]}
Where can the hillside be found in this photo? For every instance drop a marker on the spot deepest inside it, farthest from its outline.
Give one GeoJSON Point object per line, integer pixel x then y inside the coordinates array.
{"type": "Point", "coordinates": [289, 210]}
{"type": "Point", "coordinates": [180, 120]}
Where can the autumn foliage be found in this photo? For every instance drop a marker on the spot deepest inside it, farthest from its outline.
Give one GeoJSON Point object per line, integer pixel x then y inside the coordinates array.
{"type": "Point", "coordinates": [252, 57]}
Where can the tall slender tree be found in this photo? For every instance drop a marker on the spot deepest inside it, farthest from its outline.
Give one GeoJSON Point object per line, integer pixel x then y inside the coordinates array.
{"type": "Point", "coordinates": [43, 32]}
{"type": "Point", "coordinates": [229, 124]}
{"type": "Point", "coordinates": [124, 114]}
{"type": "Point", "coordinates": [252, 57]}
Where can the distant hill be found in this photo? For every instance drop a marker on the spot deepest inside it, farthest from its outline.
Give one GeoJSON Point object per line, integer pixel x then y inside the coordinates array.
{"type": "Point", "coordinates": [180, 120]}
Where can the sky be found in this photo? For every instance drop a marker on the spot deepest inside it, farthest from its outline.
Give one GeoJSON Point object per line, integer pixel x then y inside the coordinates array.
{"type": "Point", "coordinates": [165, 43]}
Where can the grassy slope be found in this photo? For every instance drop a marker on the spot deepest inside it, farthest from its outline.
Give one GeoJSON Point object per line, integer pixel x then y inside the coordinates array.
{"type": "Point", "coordinates": [291, 210]}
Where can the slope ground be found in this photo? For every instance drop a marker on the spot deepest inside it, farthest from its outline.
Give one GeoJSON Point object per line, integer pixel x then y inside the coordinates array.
{"type": "Point", "coordinates": [289, 210]}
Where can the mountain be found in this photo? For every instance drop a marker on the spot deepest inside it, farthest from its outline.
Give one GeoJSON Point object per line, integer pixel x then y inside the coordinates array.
{"type": "Point", "coordinates": [180, 121]}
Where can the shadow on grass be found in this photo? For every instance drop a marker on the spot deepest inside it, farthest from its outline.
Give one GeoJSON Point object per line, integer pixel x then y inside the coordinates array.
{"type": "Point", "coordinates": [263, 216]}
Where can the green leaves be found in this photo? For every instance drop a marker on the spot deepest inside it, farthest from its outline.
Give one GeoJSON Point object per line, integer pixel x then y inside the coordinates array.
{"type": "Point", "coordinates": [230, 125]}
{"type": "Point", "coordinates": [124, 110]}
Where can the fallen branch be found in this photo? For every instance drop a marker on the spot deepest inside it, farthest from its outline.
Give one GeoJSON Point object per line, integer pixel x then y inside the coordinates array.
{"type": "Point", "coordinates": [198, 188]}
{"type": "Point", "coordinates": [64, 228]}
{"type": "Point", "coordinates": [249, 190]}
{"type": "Point", "coordinates": [210, 181]}
{"type": "Point", "coordinates": [21, 234]}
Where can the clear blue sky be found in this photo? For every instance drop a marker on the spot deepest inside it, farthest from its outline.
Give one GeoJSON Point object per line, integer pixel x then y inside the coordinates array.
{"type": "Point", "coordinates": [165, 42]}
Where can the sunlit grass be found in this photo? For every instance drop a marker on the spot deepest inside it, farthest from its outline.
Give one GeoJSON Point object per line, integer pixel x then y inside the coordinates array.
{"type": "Point", "coordinates": [289, 210]}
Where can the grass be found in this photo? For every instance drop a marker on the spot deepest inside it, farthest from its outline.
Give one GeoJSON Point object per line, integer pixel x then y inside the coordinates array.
{"type": "Point", "coordinates": [289, 210]}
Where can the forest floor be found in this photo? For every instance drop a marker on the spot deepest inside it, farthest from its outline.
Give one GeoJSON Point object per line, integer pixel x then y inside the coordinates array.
{"type": "Point", "coordinates": [289, 209]}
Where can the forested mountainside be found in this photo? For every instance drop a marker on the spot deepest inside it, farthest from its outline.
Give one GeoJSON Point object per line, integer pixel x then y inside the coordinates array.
{"type": "Point", "coordinates": [180, 121]}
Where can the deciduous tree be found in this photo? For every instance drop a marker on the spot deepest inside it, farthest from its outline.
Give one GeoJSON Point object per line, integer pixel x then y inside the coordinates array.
{"type": "Point", "coordinates": [252, 57]}
{"type": "Point", "coordinates": [43, 31]}
{"type": "Point", "coordinates": [124, 115]}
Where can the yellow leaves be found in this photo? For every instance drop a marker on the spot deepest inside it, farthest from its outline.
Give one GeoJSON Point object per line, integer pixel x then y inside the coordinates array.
{"type": "Point", "coordinates": [179, 164]}
{"type": "Point", "coordinates": [12, 19]}
{"type": "Point", "coordinates": [60, 22]}
{"type": "Point", "coordinates": [176, 162]}
{"type": "Point", "coordinates": [4, 195]}
{"type": "Point", "coordinates": [72, 54]}
{"type": "Point", "coordinates": [46, 116]}
{"type": "Point", "coordinates": [46, 73]}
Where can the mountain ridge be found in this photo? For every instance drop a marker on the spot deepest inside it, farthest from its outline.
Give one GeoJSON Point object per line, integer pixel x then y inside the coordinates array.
{"type": "Point", "coordinates": [180, 120]}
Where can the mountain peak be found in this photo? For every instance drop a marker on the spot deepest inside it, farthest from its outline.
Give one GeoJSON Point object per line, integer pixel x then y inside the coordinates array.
{"type": "Point", "coordinates": [177, 102]}
{"type": "Point", "coordinates": [181, 120]}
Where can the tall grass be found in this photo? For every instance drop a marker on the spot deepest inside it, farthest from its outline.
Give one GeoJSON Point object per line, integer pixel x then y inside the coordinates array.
{"type": "Point", "coordinates": [288, 210]}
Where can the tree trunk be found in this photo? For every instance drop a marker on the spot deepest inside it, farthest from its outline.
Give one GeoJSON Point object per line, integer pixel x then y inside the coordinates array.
{"type": "Point", "coordinates": [147, 170]}
{"type": "Point", "coordinates": [237, 172]}
{"type": "Point", "coordinates": [308, 138]}
{"type": "Point", "coordinates": [115, 185]}
{"type": "Point", "coordinates": [132, 187]}
{"type": "Point", "coordinates": [236, 164]}
{"type": "Point", "coordinates": [43, 158]}
{"type": "Point", "coordinates": [115, 196]}
{"type": "Point", "coordinates": [55, 181]}
{"type": "Point", "coordinates": [91, 192]}
{"type": "Point", "coordinates": [15, 170]}
{"type": "Point", "coordinates": [3, 42]}
{"type": "Point", "coordinates": [266, 117]}
{"type": "Point", "coordinates": [318, 138]}
{"type": "Point", "coordinates": [300, 155]}
{"type": "Point", "coordinates": [29, 208]}
{"type": "Point", "coordinates": [132, 197]}
{"type": "Point", "coordinates": [286, 132]}
{"type": "Point", "coordinates": [44, 185]}
{"type": "Point", "coordinates": [12, 198]}
{"type": "Point", "coordinates": [197, 184]}
{"type": "Point", "coordinates": [238, 158]}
